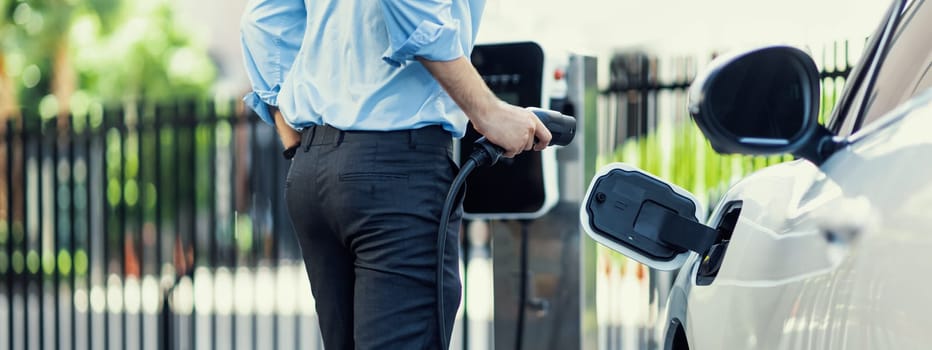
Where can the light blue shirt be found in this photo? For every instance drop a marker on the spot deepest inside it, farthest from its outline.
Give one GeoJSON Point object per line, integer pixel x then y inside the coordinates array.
{"type": "Point", "coordinates": [351, 63]}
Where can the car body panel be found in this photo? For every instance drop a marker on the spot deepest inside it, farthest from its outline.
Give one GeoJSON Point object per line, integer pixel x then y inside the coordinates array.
{"type": "Point", "coordinates": [827, 257]}
{"type": "Point", "coordinates": [828, 253]}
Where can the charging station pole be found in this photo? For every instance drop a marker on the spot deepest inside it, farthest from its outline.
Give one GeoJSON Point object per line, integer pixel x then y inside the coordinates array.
{"type": "Point", "coordinates": [561, 267]}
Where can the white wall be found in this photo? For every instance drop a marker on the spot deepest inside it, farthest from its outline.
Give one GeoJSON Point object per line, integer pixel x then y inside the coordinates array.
{"type": "Point", "coordinates": [216, 23]}
{"type": "Point", "coordinates": [599, 26]}
{"type": "Point", "coordinates": [678, 26]}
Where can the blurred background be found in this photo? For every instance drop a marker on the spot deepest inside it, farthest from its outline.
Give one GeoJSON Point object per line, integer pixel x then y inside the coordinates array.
{"type": "Point", "coordinates": [140, 202]}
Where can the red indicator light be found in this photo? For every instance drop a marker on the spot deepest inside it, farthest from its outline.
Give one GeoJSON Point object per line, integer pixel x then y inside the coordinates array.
{"type": "Point", "coordinates": [558, 74]}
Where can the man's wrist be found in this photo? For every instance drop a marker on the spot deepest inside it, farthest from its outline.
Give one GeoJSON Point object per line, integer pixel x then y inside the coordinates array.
{"type": "Point", "coordinates": [479, 110]}
{"type": "Point", "coordinates": [289, 137]}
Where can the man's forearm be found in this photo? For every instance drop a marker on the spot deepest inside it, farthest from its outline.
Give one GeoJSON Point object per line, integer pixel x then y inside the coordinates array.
{"type": "Point", "coordinates": [512, 128]}
{"type": "Point", "coordinates": [462, 82]}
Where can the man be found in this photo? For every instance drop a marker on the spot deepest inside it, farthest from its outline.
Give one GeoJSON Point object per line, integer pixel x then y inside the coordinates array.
{"type": "Point", "coordinates": [378, 90]}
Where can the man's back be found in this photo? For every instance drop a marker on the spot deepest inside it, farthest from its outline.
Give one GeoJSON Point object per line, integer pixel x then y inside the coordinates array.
{"type": "Point", "coordinates": [355, 68]}
{"type": "Point", "coordinates": [372, 85]}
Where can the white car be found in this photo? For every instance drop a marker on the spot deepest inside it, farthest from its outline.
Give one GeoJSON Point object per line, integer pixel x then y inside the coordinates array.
{"type": "Point", "coordinates": [830, 251]}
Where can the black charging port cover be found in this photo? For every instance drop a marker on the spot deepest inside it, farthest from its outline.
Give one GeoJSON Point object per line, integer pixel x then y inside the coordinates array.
{"type": "Point", "coordinates": [645, 214]}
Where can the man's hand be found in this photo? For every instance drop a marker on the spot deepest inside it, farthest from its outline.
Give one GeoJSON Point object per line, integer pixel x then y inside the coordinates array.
{"type": "Point", "coordinates": [289, 137]}
{"type": "Point", "coordinates": [512, 128]}
{"type": "Point", "coordinates": [509, 127]}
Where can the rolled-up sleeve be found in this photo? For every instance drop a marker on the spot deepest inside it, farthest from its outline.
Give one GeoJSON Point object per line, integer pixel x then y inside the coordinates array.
{"type": "Point", "coordinates": [271, 32]}
{"type": "Point", "coordinates": [421, 28]}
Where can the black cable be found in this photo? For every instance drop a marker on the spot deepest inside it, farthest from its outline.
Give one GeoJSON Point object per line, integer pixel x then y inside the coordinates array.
{"type": "Point", "coordinates": [452, 197]}
{"type": "Point", "coordinates": [522, 285]}
{"type": "Point", "coordinates": [486, 154]}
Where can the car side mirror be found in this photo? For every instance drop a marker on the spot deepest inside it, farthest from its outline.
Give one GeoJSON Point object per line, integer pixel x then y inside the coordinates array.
{"type": "Point", "coordinates": [760, 102]}
{"type": "Point", "coordinates": [645, 218]}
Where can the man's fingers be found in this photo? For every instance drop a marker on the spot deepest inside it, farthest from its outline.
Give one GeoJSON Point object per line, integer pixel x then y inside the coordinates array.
{"type": "Point", "coordinates": [542, 134]}
{"type": "Point", "coordinates": [516, 149]}
{"type": "Point", "coordinates": [539, 146]}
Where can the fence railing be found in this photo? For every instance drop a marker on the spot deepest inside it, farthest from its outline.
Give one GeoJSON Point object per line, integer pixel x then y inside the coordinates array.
{"type": "Point", "coordinates": [148, 227]}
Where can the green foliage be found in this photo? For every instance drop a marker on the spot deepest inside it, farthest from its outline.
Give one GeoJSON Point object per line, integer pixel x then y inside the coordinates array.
{"type": "Point", "coordinates": [116, 50]}
{"type": "Point", "coordinates": [148, 56]}
{"type": "Point", "coordinates": [681, 154]}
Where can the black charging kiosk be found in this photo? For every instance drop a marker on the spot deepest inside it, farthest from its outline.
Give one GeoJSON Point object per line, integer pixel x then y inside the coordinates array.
{"type": "Point", "coordinates": [523, 187]}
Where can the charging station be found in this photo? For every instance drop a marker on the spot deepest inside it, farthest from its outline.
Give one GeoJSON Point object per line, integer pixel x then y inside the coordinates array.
{"type": "Point", "coordinates": [531, 203]}
{"type": "Point", "coordinates": [523, 187]}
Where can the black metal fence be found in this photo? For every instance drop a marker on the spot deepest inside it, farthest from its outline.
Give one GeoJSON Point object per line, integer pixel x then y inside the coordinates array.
{"type": "Point", "coordinates": [148, 227]}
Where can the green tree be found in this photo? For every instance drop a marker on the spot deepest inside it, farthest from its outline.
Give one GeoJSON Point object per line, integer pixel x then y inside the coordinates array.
{"type": "Point", "coordinates": [59, 54]}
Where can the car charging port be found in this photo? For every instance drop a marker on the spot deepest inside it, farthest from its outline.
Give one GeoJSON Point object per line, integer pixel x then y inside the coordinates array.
{"type": "Point", "coordinates": [712, 261]}
{"type": "Point", "coordinates": [645, 218]}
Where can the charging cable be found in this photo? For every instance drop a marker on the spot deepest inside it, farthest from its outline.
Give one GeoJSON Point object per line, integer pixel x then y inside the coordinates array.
{"type": "Point", "coordinates": [486, 154]}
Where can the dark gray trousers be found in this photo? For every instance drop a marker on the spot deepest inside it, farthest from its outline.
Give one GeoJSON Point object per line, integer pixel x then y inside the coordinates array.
{"type": "Point", "coordinates": [366, 209]}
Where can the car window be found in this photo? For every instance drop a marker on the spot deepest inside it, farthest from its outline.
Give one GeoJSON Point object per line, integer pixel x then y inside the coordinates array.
{"type": "Point", "coordinates": [844, 115]}
{"type": "Point", "coordinates": [907, 68]}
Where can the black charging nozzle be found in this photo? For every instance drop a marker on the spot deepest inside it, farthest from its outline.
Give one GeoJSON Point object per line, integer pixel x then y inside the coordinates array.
{"type": "Point", "coordinates": [561, 127]}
